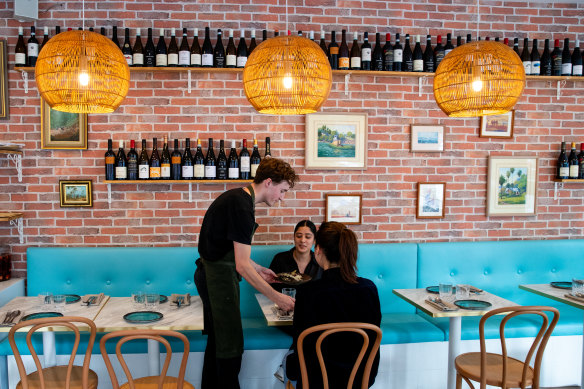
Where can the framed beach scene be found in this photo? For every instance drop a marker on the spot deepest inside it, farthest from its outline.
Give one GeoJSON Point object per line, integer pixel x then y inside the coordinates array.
{"type": "Point", "coordinates": [343, 208]}
{"type": "Point", "coordinates": [75, 193]}
{"type": "Point", "coordinates": [62, 130]}
{"type": "Point", "coordinates": [431, 197]}
{"type": "Point", "coordinates": [427, 138]}
{"type": "Point", "coordinates": [497, 126]}
{"type": "Point", "coordinates": [336, 141]}
{"type": "Point", "coordinates": [512, 186]}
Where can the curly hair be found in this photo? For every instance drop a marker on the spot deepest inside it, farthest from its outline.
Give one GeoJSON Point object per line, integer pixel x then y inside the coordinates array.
{"type": "Point", "coordinates": [277, 170]}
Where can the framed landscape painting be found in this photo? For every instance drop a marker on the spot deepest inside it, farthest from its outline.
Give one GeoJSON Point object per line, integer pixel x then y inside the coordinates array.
{"type": "Point", "coordinates": [427, 138]}
{"type": "Point", "coordinates": [431, 199]}
{"type": "Point", "coordinates": [4, 106]}
{"type": "Point", "coordinates": [336, 141]}
{"type": "Point", "coordinates": [343, 208]}
{"type": "Point", "coordinates": [512, 186]}
{"type": "Point", "coordinates": [497, 126]}
{"type": "Point", "coordinates": [62, 130]}
{"type": "Point", "coordinates": [75, 193]}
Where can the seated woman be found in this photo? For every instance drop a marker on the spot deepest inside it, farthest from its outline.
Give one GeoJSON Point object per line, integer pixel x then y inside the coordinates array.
{"type": "Point", "coordinates": [299, 258]}
{"type": "Point", "coordinates": [339, 296]}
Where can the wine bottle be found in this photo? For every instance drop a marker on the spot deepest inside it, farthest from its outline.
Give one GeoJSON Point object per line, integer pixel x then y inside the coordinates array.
{"type": "Point", "coordinates": [311, 35]}
{"type": "Point", "coordinates": [322, 44]}
{"type": "Point", "coordinates": [199, 162]}
{"type": "Point", "coordinates": [268, 153]}
{"type": "Point", "coordinates": [407, 56]}
{"type": "Point", "coordinates": [233, 170]}
{"type": "Point", "coordinates": [439, 52]}
{"type": "Point", "coordinates": [458, 41]}
{"type": "Point", "coordinates": [222, 162]}
{"type": "Point", "coordinates": [429, 55]}
{"type": "Point", "coordinates": [581, 162]}
{"type": "Point", "coordinates": [563, 165]}
{"type": "Point", "coordinates": [355, 53]}
{"type": "Point", "coordinates": [143, 163]}
{"type": "Point", "coordinates": [344, 59]}
{"type": "Point", "coordinates": [132, 159]}
{"type": "Point", "coordinates": [110, 162]}
{"type": "Point", "coordinates": [496, 39]}
{"type": "Point", "coordinates": [172, 49]}
{"type": "Point", "coordinates": [506, 41]}
{"type": "Point", "coordinates": [566, 59]}
{"type": "Point", "coordinates": [398, 54]}
{"type": "Point", "coordinates": [102, 31]}
{"type": "Point", "coordinates": [516, 46]}
{"type": "Point", "coordinates": [155, 161]}
{"type": "Point", "coordinates": [184, 51]}
{"type": "Point", "coordinates": [241, 50]}
{"type": "Point", "coordinates": [468, 38]}
{"type": "Point", "coordinates": [207, 53]}
{"type": "Point", "coordinates": [577, 60]}
{"type": "Point", "coordinates": [196, 53]}
{"type": "Point", "coordinates": [114, 35]}
{"type": "Point", "coordinates": [231, 53]}
{"type": "Point", "coordinates": [161, 52]}
{"type": "Point", "coordinates": [127, 48]}
{"type": "Point", "coordinates": [546, 60]}
{"type": "Point", "coordinates": [187, 162]}
{"type": "Point", "coordinates": [165, 161]}
{"type": "Point", "coordinates": [299, 33]}
{"type": "Point", "coordinates": [556, 59]}
{"type": "Point", "coordinates": [149, 51]}
{"type": "Point", "coordinates": [535, 60]}
{"type": "Point", "coordinates": [252, 43]}
{"type": "Point", "coordinates": [418, 56]}
{"type": "Point", "coordinates": [121, 163]}
{"type": "Point", "coordinates": [448, 48]}
{"type": "Point", "coordinates": [333, 52]}
{"type": "Point", "coordinates": [210, 163]}
{"type": "Point", "coordinates": [276, 33]}
{"type": "Point", "coordinates": [377, 54]}
{"type": "Point", "coordinates": [526, 57]}
{"type": "Point", "coordinates": [45, 38]}
{"type": "Point", "coordinates": [255, 159]}
{"type": "Point", "coordinates": [32, 48]}
{"type": "Point", "coordinates": [573, 162]}
{"type": "Point", "coordinates": [57, 30]}
{"type": "Point", "coordinates": [366, 52]}
{"type": "Point", "coordinates": [244, 162]}
{"type": "Point", "coordinates": [219, 53]}
{"type": "Point", "coordinates": [175, 162]}
{"type": "Point", "coordinates": [138, 51]}
{"type": "Point", "coordinates": [388, 54]}
{"type": "Point", "coordinates": [20, 50]}
{"type": "Point", "coordinates": [264, 35]}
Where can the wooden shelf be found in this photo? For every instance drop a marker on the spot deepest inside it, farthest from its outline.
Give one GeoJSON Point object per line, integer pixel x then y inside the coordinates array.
{"type": "Point", "coordinates": [569, 180]}
{"type": "Point", "coordinates": [174, 181]}
{"type": "Point", "coordinates": [18, 152]}
{"type": "Point", "coordinates": [8, 216]}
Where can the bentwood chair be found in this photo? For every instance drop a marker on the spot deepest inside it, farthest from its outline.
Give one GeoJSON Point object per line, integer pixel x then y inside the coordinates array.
{"type": "Point", "coordinates": [332, 328]}
{"type": "Point", "coordinates": [501, 370]}
{"type": "Point", "coordinates": [58, 377]}
{"type": "Point", "coordinates": [161, 381]}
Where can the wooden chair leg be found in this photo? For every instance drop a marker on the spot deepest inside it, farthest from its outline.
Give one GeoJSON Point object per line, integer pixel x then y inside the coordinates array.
{"type": "Point", "coordinates": [458, 381]}
{"type": "Point", "coordinates": [289, 385]}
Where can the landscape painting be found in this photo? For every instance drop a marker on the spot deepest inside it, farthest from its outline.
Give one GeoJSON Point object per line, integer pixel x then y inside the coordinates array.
{"type": "Point", "coordinates": [497, 126]}
{"type": "Point", "coordinates": [343, 208]}
{"type": "Point", "coordinates": [431, 200]}
{"type": "Point", "coordinates": [336, 141]}
{"type": "Point", "coordinates": [512, 186]}
{"type": "Point", "coordinates": [62, 130]}
{"type": "Point", "coordinates": [75, 193]}
{"type": "Point", "coordinates": [428, 138]}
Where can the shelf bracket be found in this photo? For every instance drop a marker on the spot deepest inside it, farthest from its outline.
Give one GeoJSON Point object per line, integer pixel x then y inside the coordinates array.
{"type": "Point", "coordinates": [559, 87]}
{"type": "Point", "coordinates": [17, 159]}
{"type": "Point", "coordinates": [190, 192]}
{"type": "Point", "coordinates": [557, 185]}
{"type": "Point", "coordinates": [421, 82]}
{"type": "Point", "coordinates": [189, 81]}
{"type": "Point", "coordinates": [25, 79]}
{"type": "Point", "coordinates": [347, 78]}
{"type": "Point", "coordinates": [109, 193]}
{"type": "Point", "coordinates": [19, 227]}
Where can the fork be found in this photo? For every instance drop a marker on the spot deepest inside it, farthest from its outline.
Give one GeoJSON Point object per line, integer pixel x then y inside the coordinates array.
{"type": "Point", "coordinates": [91, 300]}
{"type": "Point", "coordinates": [179, 301]}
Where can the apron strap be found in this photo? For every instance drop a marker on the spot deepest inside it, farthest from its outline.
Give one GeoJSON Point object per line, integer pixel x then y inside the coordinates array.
{"type": "Point", "coordinates": [252, 193]}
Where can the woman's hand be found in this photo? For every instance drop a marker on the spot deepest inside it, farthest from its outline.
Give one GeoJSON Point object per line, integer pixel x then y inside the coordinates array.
{"type": "Point", "coordinates": [267, 274]}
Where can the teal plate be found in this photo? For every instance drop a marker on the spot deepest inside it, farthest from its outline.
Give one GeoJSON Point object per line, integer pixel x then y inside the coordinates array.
{"type": "Point", "coordinates": [432, 289]}
{"type": "Point", "coordinates": [561, 284]}
{"type": "Point", "coordinates": [476, 305]}
{"type": "Point", "coordinates": [41, 315]}
{"type": "Point", "coordinates": [72, 298]}
{"type": "Point", "coordinates": [163, 299]}
{"type": "Point", "coordinates": [143, 317]}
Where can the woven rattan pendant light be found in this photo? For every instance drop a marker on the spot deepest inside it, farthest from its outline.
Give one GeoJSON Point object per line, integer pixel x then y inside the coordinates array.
{"type": "Point", "coordinates": [478, 79]}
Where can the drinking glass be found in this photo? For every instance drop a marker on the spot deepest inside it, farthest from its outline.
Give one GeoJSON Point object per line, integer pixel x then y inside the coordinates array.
{"type": "Point", "coordinates": [151, 301]}
{"type": "Point", "coordinates": [45, 301]}
{"type": "Point", "coordinates": [445, 291]}
{"type": "Point", "coordinates": [289, 292]}
{"type": "Point", "coordinates": [462, 292]}
{"type": "Point", "coordinates": [577, 287]}
{"type": "Point", "coordinates": [138, 300]}
{"type": "Point", "coordinates": [59, 300]}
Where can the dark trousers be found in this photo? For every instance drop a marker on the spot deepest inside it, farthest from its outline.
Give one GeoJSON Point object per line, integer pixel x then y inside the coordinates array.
{"type": "Point", "coordinates": [218, 373]}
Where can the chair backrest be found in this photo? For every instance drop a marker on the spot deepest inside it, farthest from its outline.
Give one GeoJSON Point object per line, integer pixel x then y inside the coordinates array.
{"type": "Point", "coordinates": [331, 328]}
{"type": "Point", "coordinates": [68, 322]}
{"type": "Point", "coordinates": [157, 335]}
{"type": "Point", "coordinates": [537, 347]}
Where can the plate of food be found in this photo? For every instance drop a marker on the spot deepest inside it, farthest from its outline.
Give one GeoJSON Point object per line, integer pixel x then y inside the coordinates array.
{"type": "Point", "coordinates": [293, 278]}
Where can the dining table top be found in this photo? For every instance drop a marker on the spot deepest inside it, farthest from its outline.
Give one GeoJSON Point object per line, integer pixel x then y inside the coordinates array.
{"type": "Point", "coordinates": [418, 297]}
{"type": "Point", "coordinates": [267, 307]}
{"type": "Point", "coordinates": [558, 294]}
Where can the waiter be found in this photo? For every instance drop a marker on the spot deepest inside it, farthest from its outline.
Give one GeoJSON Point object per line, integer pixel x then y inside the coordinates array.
{"type": "Point", "coordinates": [225, 248]}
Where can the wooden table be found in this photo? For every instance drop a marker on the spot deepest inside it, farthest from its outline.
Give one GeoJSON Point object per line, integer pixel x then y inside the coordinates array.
{"type": "Point", "coordinates": [546, 290]}
{"type": "Point", "coordinates": [266, 305]}
{"type": "Point", "coordinates": [417, 298]}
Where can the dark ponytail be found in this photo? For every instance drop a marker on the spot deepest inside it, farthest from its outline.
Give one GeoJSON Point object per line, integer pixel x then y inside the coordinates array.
{"type": "Point", "coordinates": [339, 245]}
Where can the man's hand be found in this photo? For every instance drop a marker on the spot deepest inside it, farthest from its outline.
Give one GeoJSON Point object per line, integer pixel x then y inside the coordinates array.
{"type": "Point", "coordinates": [267, 274]}
{"type": "Point", "coordinates": [285, 303]}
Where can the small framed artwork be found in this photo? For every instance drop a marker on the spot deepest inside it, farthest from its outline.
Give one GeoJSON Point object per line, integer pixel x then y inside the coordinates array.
{"type": "Point", "coordinates": [427, 138]}
{"type": "Point", "coordinates": [512, 186]}
{"type": "Point", "coordinates": [62, 130]}
{"type": "Point", "coordinates": [336, 141]}
{"type": "Point", "coordinates": [343, 208]}
{"type": "Point", "coordinates": [431, 200]}
{"type": "Point", "coordinates": [4, 106]}
{"type": "Point", "coordinates": [497, 126]}
{"type": "Point", "coordinates": [75, 193]}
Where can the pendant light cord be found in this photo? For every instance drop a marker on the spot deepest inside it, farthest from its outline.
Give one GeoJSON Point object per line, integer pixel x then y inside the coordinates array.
{"type": "Point", "coordinates": [83, 14]}
{"type": "Point", "coordinates": [287, 29]}
{"type": "Point", "coordinates": [478, 19]}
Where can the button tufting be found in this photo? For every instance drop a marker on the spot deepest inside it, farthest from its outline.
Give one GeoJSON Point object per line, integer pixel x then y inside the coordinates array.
{"type": "Point", "coordinates": [451, 274]}
{"type": "Point", "coordinates": [147, 282]}
{"type": "Point", "coordinates": [553, 270]}
{"type": "Point", "coordinates": [519, 271]}
{"type": "Point", "coordinates": [108, 282]}
{"type": "Point", "coordinates": [189, 282]}
{"type": "Point", "coordinates": [380, 276]}
{"type": "Point", "coordinates": [486, 272]}
{"type": "Point", "coordinates": [68, 282]}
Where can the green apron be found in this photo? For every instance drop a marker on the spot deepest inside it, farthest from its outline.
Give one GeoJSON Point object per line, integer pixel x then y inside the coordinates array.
{"type": "Point", "coordinates": [223, 288]}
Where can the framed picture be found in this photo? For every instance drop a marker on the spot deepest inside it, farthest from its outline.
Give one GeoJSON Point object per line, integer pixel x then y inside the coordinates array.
{"type": "Point", "coordinates": [497, 126]}
{"type": "Point", "coordinates": [62, 130]}
{"type": "Point", "coordinates": [427, 138]}
{"type": "Point", "coordinates": [336, 141]}
{"type": "Point", "coordinates": [431, 199]}
{"type": "Point", "coordinates": [512, 186]}
{"type": "Point", "coordinates": [343, 208]}
{"type": "Point", "coordinates": [75, 193]}
{"type": "Point", "coordinates": [4, 106]}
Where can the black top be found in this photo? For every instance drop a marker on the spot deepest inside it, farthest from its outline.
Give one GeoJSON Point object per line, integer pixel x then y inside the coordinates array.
{"type": "Point", "coordinates": [331, 300]}
{"type": "Point", "coordinates": [284, 262]}
{"type": "Point", "coordinates": [230, 218]}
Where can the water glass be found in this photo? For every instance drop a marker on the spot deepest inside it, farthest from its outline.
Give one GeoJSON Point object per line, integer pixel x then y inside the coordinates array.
{"type": "Point", "coordinates": [138, 300]}
{"type": "Point", "coordinates": [445, 291]}
{"type": "Point", "coordinates": [462, 292]}
{"type": "Point", "coordinates": [45, 301]}
{"type": "Point", "coordinates": [151, 301]}
{"type": "Point", "coordinates": [289, 292]}
{"type": "Point", "coordinates": [577, 287]}
{"type": "Point", "coordinates": [60, 300]}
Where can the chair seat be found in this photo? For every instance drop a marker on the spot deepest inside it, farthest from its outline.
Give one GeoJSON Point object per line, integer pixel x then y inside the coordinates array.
{"type": "Point", "coordinates": [152, 383]}
{"type": "Point", "coordinates": [56, 376]}
{"type": "Point", "coordinates": [469, 365]}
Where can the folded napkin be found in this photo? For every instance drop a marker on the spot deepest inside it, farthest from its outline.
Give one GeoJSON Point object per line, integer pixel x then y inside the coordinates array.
{"type": "Point", "coordinates": [10, 318]}
{"type": "Point", "coordinates": [578, 297]}
{"type": "Point", "coordinates": [92, 299]}
{"type": "Point", "coordinates": [441, 305]}
{"type": "Point", "coordinates": [185, 299]}
{"type": "Point", "coordinates": [281, 314]}
{"type": "Point", "coordinates": [475, 290]}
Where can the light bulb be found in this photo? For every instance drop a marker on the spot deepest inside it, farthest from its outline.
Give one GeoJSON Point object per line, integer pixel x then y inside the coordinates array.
{"type": "Point", "coordinates": [288, 82]}
{"type": "Point", "coordinates": [477, 85]}
{"type": "Point", "coordinates": [83, 79]}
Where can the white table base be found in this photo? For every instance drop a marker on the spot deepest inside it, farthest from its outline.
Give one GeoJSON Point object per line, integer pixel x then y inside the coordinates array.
{"type": "Point", "coordinates": [454, 337]}
{"type": "Point", "coordinates": [49, 349]}
{"type": "Point", "coordinates": [582, 380]}
{"type": "Point", "coordinates": [153, 357]}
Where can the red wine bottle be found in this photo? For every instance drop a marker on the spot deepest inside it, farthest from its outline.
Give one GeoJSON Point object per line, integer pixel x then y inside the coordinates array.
{"type": "Point", "coordinates": [573, 162]}
{"type": "Point", "coordinates": [252, 43]}
{"type": "Point", "coordinates": [388, 54]}
{"type": "Point", "coordinates": [244, 162]}
{"type": "Point", "coordinates": [566, 59]}
{"type": "Point", "coordinates": [255, 159]}
{"type": "Point", "coordinates": [132, 162]}
{"type": "Point", "coordinates": [546, 60]}
{"type": "Point", "coordinates": [418, 56]}
{"type": "Point", "coordinates": [407, 56]}
{"type": "Point", "coordinates": [577, 60]}
{"type": "Point", "coordinates": [222, 162]}
{"type": "Point", "coordinates": [366, 52]}
{"type": "Point", "coordinates": [127, 48]}
{"type": "Point", "coordinates": [187, 162]}
{"type": "Point", "coordinates": [556, 59]}
{"type": "Point", "coordinates": [219, 53]}
{"type": "Point", "coordinates": [344, 58]}
{"type": "Point", "coordinates": [32, 48]}
{"type": "Point", "coordinates": [149, 51]}
{"type": "Point", "coordinates": [121, 163]}
{"type": "Point", "coordinates": [233, 163]}
{"type": "Point", "coordinates": [439, 52]}
{"type": "Point", "coordinates": [322, 44]}
{"type": "Point", "coordinates": [429, 65]}
{"type": "Point", "coordinates": [563, 164]}
{"type": "Point", "coordinates": [199, 162]}
{"type": "Point", "coordinates": [176, 163]}
{"type": "Point", "coordinates": [207, 53]}
{"type": "Point", "coordinates": [241, 50]}
{"type": "Point", "coordinates": [143, 163]}
{"type": "Point", "coordinates": [448, 48]}
{"type": "Point", "coordinates": [581, 162]}
{"type": "Point", "coordinates": [114, 35]}
{"type": "Point", "coordinates": [210, 163]}
{"type": "Point", "coordinates": [110, 162]}
{"type": "Point", "coordinates": [398, 55]}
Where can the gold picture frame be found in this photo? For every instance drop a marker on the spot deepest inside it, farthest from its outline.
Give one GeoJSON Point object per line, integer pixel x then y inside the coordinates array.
{"type": "Point", "coordinates": [62, 130]}
{"type": "Point", "coordinates": [346, 208]}
{"type": "Point", "coordinates": [75, 193]}
{"type": "Point", "coordinates": [4, 106]}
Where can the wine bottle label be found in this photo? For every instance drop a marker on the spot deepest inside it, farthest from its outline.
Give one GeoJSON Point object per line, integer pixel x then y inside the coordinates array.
{"type": "Point", "coordinates": [573, 171]}
{"type": "Point", "coordinates": [447, 51]}
{"type": "Point", "coordinates": [527, 67]}
{"type": "Point", "coordinates": [143, 171]}
{"type": "Point", "coordinates": [244, 164]}
{"type": "Point", "coordinates": [389, 60]}
{"type": "Point", "coordinates": [128, 58]}
{"type": "Point", "coordinates": [366, 54]}
{"type": "Point", "coordinates": [33, 50]}
{"type": "Point", "coordinates": [161, 60]}
{"type": "Point", "coordinates": [172, 59]}
{"type": "Point", "coordinates": [334, 50]}
{"type": "Point", "coordinates": [150, 61]}
{"type": "Point", "coordinates": [220, 62]}
{"type": "Point", "coordinates": [199, 171]}
{"type": "Point", "coordinates": [233, 173]}
{"type": "Point", "coordinates": [207, 59]}
{"type": "Point", "coordinates": [175, 160]}
{"type": "Point", "coordinates": [184, 57]}
{"type": "Point", "coordinates": [577, 70]}
{"type": "Point", "coordinates": [356, 62]}
{"type": "Point", "coordinates": [564, 171]}
{"type": "Point", "coordinates": [210, 171]}
{"type": "Point", "coordinates": [187, 171]}
{"type": "Point", "coordinates": [439, 57]}
{"type": "Point", "coordinates": [241, 61]}
{"type": "Point", "coordinates": [398, 55]}
{"type": "Point", "coordinates": [254, 168]}
{"type": "Point", "coordinates": [132, 165]}
{"type": "Point", "coordinates": [535, 68]}
{"type": "Point", "coordinates": [165, 170]}
{"type": "Point", "coordinates": [121, 173]}
{"type": "Point", "coordinates": [110, 160]}
{"type": "Point", "coordinates": [566, 68]}
{"type": "Point", "coordinates": [20, 58]}
{"type": "Point", "coordinates": [231, 60]}
{"type": "Point", "coordinates": [138, 58]}
{"type": "Point", "coordinates": [344, 62]}
{"type": "Point", "coordinates": [418, 65]}
{"type": "Point", "coordinates": [222, 172]}
{"type": "Point", "coordinates": [154, 172]}
{"type": "Point", "coordinates": [196, 59]}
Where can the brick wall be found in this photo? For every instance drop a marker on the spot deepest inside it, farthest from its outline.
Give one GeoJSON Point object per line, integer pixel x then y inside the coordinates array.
{"type": "Point", "coordinates": [159, 104]}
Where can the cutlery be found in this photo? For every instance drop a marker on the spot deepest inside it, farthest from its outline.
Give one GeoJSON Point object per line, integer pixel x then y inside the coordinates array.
{"type": "Point", "coordinates": [10, 316]}
{"type": "Point", "coordinates": [179, 301]}
{"type": "Point", "coordinates": [91, 300]}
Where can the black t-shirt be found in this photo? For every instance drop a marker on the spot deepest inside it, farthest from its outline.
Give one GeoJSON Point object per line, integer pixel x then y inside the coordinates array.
{"type": "Point", "coordinates": [230, 218]}
{"type": "Point", "coordinates": [284, 262]}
